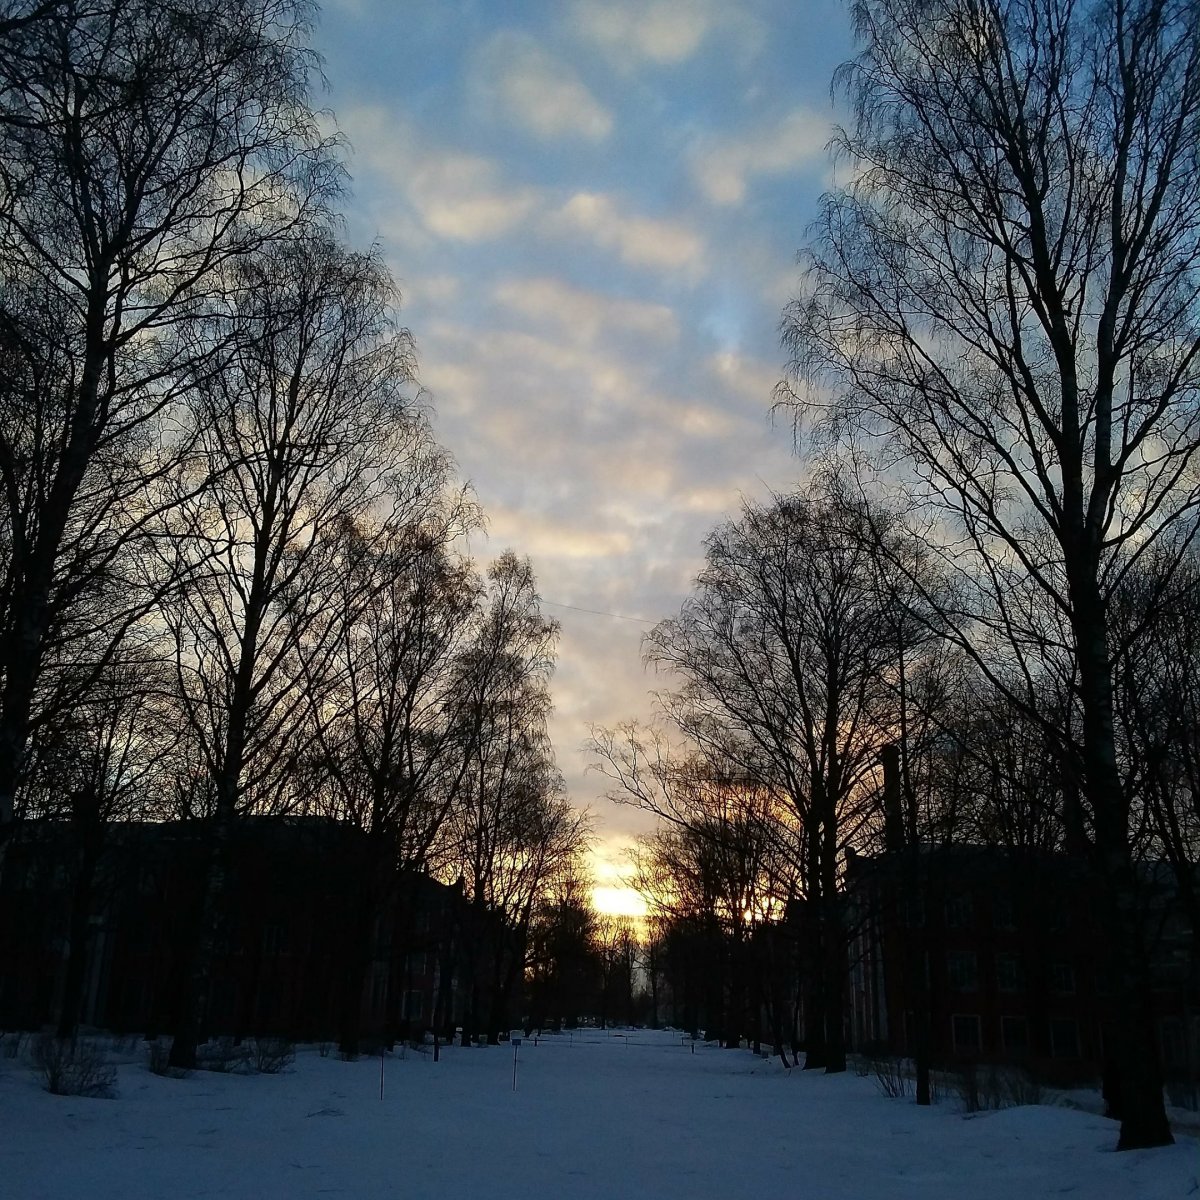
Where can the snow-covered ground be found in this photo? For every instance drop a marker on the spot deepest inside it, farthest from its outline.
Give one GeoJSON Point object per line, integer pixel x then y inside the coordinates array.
{"type": "Point", "coordinates": [593, 1116]}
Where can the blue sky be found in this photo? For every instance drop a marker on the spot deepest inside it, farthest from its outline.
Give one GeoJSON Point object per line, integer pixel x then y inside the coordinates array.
{"type": "Point", "coordinates": [592, 210]}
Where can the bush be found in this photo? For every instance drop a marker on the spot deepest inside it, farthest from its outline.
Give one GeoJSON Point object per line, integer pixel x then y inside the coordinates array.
{"type": "Point", "coordinates": [272, 1055]}
{"type": "Point", "coordinates": [1021, 1087]}
{"type": "Point", "coordinates": [224, 1057]}
{"type": "Point", "coordinates": [890, 1074]}
{"type": "Point", "coordinates": [965, 1082]}
{"type": "Point", "coordinates": [10, 1045]}
{"type": "Point", "coordinates": [72, 1067]}
{"type": "Point", "coordinates": [989, 1086]}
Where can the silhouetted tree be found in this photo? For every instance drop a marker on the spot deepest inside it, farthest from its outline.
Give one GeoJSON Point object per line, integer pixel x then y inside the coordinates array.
{"type": "Point", "coordinates": [305, 427]}
{"type": "Point", "coordinates": [143, 147]}
{"type": "Point", "coordinates": [1003, 304]}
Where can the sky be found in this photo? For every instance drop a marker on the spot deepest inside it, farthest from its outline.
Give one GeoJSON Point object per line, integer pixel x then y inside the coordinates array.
{"type": "Point", "coordinates": [592, 209]}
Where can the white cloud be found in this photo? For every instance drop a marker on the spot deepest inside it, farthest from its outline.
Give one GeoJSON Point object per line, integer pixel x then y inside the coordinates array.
{"type": "Point", "coordinates": [460, 197]}
{"type": "Point", "coordinates": [455, 196]}
{"type": "Point", "coordinates": [638, 241]}
{"type": "Point", "coordinates": [586, 316]}
{"type": "Point", "coordinates": [748, 378]}
{"type": "Point", "coordinates": [723, 169]}
{"type": "Point", "coordinates": [432, 291]}
{"type": "Point", "coordinates": [546, 538]}
{"type": "Point", "coordinates": [515, 76]}
{"type": "Point", "coordinates": [661, 31]}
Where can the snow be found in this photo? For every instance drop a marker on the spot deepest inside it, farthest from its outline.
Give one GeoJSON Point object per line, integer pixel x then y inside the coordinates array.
{"type": "Point", "coordinates": [594, 1116]}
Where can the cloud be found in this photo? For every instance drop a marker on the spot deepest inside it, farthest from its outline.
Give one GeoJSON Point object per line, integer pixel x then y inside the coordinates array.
{"type": "Point", "coordinates": [435, 291]}
{"type": "Point", "coordinates": [638, 241]}
{"type": "Point", "coordinates": [455, 196]}
{"type": "Point", "coordinates": [586, 317]}
{"type": "Point", "coordinates": [724, 168]}
{"type": "Point", "coordinates": [544, 537]}
{"type": "Point", "coordinates": [664, 32]}
{"type": "Point", "coordinates": [459, 197]}
{"type": "Point", "coordinates": [517, 78]}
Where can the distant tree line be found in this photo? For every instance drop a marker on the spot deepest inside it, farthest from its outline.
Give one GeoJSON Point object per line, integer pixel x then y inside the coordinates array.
{"type": "Point", "coordinates": [231, 582]}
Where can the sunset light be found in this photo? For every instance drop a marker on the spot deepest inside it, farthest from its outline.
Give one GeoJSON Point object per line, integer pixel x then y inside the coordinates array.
{"type": "Point", "coordinates": [618, 902]}
{"type": "Point", "coordinates": [604, 592]}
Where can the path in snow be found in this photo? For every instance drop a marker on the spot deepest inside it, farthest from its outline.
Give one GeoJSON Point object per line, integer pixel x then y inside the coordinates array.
{"type": "Point", "coordinates": [594, 1118]}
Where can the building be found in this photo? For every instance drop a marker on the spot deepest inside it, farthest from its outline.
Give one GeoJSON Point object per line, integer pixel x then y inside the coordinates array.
{"type": "Point", "coordinates": [1003, 953]}
{"type": "Point", "coordinates": [279, 963]}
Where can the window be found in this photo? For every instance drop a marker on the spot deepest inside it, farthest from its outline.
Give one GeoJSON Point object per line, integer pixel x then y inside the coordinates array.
{"type": "Point", "coordinates": [1009, 975]}
{"type": "Point", "coordinates": [1014, 1033]}
{"type": "Point", "coordinates": [414, 1002]}
{"type": "Point", "coordinates": [1062, 979]}
{"type": "Point", "coordinates": [961, 971]}
{"type": "Point", "coordinates": [966, 1034]}
{"type": "Point", "coordinates": [1105, 983]}
{"type": "Point", "coordinates": [913, 912]}
{"type": "Point", "coordinates": [958, 912]}
{"type": "Point", "coordinates": [1064, 1038]}
{"type": "Point", "coordinates": [1003, 919]}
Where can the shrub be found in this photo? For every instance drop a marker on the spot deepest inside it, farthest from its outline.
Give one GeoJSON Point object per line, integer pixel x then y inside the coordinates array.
{"type": "Point", "coordinates": [272, 1055]}
{"type": "Point", "coordinates": [965, 1082]}
{"type": "Point", "coordinates": [223, 1057]}
{"type": "Point", "coordinates": [73, 1067]}
{"type": "Point", "coordinates": [890, 1074]}
{"type": "Point", "coordinates": [1020, 1087]}
{"type": "Point", "coordinates": [989, 1086]}
{"type": "Point", "coordinates": [10, 1045]}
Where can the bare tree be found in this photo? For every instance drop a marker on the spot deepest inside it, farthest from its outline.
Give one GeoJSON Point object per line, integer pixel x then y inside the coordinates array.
{"type": "Point", "coordinates": [143, 146]}
{"type": "Point", "coordinates": [1005, 304]}
{"type": "Point", "coordinates": [307, 427]}
{"type": "Point", "coordinates": [392, 738]}
{"type": "Point", "coordinates": [515, 831]}
{"type": "Point", "coordinates": [716, 873]}
{"type": "Point", "coordinates": [560, 951]}
{"type": "Point", "coordinates": [783, 677]}
{"type": "Point", "coordinates": [109, 763]}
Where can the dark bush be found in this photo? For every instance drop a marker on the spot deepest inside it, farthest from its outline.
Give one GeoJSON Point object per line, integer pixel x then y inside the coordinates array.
{"type": "Point", "coordinates": [73, 1067]}
{"type": "Point", "coordinates": [224, 1057]}
{"type": "Point", "coordinates": [891, 1074]}
{"type": "Point", "coordinates": [272, 1055]}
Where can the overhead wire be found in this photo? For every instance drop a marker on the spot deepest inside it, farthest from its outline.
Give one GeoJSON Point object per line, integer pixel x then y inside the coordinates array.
{"type": "Point", "coordinates": [597, 612]}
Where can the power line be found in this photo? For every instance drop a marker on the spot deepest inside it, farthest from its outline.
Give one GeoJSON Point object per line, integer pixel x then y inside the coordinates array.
{"type": "Point", "coordinates": [596, 612]}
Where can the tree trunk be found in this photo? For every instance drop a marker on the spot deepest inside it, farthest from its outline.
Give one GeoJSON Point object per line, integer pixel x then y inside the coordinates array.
{"type": "Point", "coordinates": [77, 955]}
{"type": "Point", "coordinates": [1144, 1119]}
{"type": "Point", "coordinates": [195, 941]}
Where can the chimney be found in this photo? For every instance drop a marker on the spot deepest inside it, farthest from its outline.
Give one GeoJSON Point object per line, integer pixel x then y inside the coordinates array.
{"type": "Point", "coordinates": [893, 818]}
